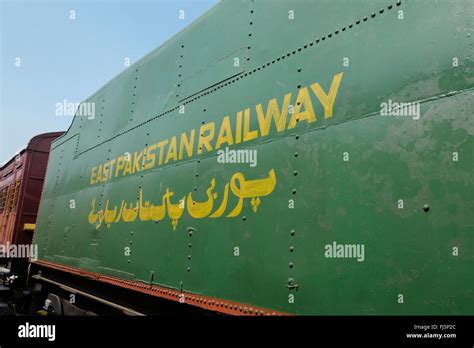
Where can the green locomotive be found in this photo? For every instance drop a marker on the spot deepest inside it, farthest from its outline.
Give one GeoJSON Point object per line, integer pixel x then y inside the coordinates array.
{"type": "Point", "coordinates": [280, 157]}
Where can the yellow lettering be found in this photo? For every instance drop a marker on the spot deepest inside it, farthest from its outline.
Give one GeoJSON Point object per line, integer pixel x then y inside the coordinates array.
{"type": "Point", "coordinates": [248, 135]}
{"type": "Point", "coordinates": [93, 175]}
{"type": "Point", "coordinates": [303, 110]}
{"type": "Point", "coordinates": [99, 174]}
{"type": "Point", "coordinates": [206, 139]}
{"type": "Point", "coordinates": [308, 113]}
{"type": "Point", "coordinates": [160, 145]}
{"type": "Point", "coordinates": [172, 151]}
{"type": "Point", "coordinates": [145, 153]}
{"type": "Point", "coordinates": [128, 167]}
{"type": "Point", "coordinates": [238, 128]}
{"type": "Point", "coordinates": [150, 157]}
{"type": "Point", "coordinates": [186, 143]}
{"type": "Point", "coordinates": [120, 164]}
{"type": "Point", "coordinates": [327, 100]}
{"type": "Point", "coordinates": [136, 158]}
{"type": "Point", "coordinates": [112, 163]}
{"type": "Point", "coordinates": [105, 173]}
{"type": "Point", "coordinates": [264, 120]}
{"type": "Point", "coordinates": [225, 134]}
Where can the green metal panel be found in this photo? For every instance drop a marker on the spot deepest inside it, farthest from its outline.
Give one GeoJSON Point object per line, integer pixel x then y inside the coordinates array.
{"type": "Point", "coordinates": [406, 56]}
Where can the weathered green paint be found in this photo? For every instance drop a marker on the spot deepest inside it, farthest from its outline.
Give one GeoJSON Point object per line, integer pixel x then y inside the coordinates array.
{"type": "Point", "coordinates": [407, 251]}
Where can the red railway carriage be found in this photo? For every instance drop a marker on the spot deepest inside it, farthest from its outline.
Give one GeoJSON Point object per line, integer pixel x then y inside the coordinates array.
{"type": "Point", "coordinates": [21, 184]}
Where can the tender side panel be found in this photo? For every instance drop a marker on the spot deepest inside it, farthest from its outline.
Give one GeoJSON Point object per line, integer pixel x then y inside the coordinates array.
{"type": "Point", "coordinates": [342, 172]}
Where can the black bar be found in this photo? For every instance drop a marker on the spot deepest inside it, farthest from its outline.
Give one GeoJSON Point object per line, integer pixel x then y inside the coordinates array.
{"type": "Point", "coordinates": [259, 330]}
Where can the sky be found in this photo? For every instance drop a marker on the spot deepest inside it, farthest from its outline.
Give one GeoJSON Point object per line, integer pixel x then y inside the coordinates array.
{"type": "Point", "coordinates": [55, 51]}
